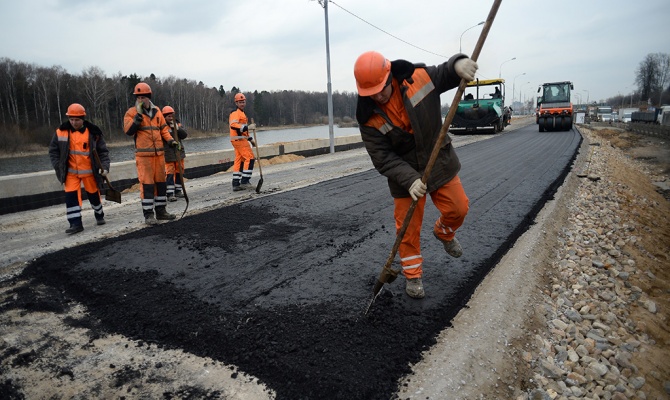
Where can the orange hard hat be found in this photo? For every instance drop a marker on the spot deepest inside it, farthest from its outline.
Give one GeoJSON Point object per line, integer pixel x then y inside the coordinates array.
{"type": "Point", "coordinates": [371, 71]}
{"type": "Point", "coordinates": [240, 97]}
{"type": "Point", "coordinates": [76, 110]}
{"type": "Point", "coordinates": [142, 89]}
{"type": "Point", "coordinates": [167, 110]}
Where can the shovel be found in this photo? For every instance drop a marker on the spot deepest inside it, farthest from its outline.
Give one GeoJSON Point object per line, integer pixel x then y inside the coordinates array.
{"type": "Point", "coordinates": [260, 170]}
{"type": "Point", "coordinates": [111, 194]}
{"type": "Point", "coordinates": [389, 274]}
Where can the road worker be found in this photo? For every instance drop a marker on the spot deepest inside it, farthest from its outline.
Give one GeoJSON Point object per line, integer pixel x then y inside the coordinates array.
{"type": "Point", "coordinates": [146, 124]}
{"type": "Point", "coordinates": [71, 152]}
{"type": "Point", "coordinates": [242, 142]}
{"type": "Point", "coordinates": [399, 118]}
{"type": "Point", "coordinates": [174, 164]}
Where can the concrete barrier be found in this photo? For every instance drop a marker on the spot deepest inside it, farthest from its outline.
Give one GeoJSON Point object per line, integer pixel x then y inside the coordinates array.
{"type": "Point", "coordinates": [41, 189]}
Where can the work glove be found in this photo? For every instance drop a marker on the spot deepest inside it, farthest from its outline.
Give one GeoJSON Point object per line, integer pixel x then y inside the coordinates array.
{"type": "Point", "coordinates": [252, 127]}
{"type": "Point", "coordinates": [138, 118]}
{"type": "Point", "coordinates": [174, 144]}
{"type": "Point", "coordinates": [244, 128]}
{"type": "Point", "coordinates": [103, 172]}
{"type": "Point", "coordinates": [251, 141]}
{"type": "Point", "coordinates": [466, 69]}
{"type": "Point", "coordinates": [417, 190]}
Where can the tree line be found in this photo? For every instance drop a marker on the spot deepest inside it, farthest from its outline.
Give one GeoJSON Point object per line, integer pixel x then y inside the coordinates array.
{"type": "Point", "coordinates": [34, 99]}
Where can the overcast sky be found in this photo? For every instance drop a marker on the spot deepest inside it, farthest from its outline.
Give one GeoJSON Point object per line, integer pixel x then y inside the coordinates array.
{"type": "Point", "coordinates": [281, 44]}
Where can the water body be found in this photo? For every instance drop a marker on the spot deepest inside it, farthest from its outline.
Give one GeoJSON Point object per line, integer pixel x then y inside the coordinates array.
{"type": "Point", "coordinates": [41, 162]}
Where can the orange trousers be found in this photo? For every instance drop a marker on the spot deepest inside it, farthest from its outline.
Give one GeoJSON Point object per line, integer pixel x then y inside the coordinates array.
{"type": "Point", "coordinates": [73, 184]}
{"type": "Point", "coordinates": [453, 204]}
{"type": "Point", "coordinates": [244, 162]}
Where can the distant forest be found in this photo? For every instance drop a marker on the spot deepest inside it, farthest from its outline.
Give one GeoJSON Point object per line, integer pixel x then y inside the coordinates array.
{"type": "Point", "coordinates": [34, 99]}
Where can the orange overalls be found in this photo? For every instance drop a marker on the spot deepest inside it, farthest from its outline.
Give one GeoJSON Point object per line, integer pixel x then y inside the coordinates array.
{"type": "Point", "coordinates": [449, 199]}
{"type": "Point", "coordinates": [149, 157]}
{"type": "Point", "coordinates": [244, 156]}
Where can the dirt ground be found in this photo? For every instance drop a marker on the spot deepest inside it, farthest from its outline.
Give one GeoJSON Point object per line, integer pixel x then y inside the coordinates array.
{"type": "Point", "coordinates": [47, 353]}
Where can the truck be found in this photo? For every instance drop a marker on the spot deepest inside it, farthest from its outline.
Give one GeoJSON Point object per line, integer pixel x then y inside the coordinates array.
{"type": "Point", "coordinates": [556, 111]}
{"type": "Point", "coordinates": [604, 114]}
{"type": "Point", "coordinates": [646, 117]}
{"type": "Point", "coordinates": [482, 108]}
{"type": "Point", "coordinates": [625, 114]}
{"type": "Point", "coordinates": [664, 116]}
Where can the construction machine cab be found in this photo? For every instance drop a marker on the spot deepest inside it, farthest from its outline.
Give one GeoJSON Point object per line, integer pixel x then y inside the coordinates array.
{"type": "Point", "coordinates": [482, 107]}
{"type": "Point", "coordinates": [554, 106]}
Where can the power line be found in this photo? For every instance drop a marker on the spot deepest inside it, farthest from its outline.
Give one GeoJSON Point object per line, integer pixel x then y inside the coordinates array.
{"type": "Point", "coordinates": [393, 36]}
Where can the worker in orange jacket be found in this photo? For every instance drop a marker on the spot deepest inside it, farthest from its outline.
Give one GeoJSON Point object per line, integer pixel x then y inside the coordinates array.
{"type": "Point", "coordinates": [146, 124]}
{"type": "Point", "coordinates": [241, 141]}
{"type": "Point", "coordinates": [174, 164]}
{"type": "Point", "coordinates": [398, 114]}
{"type": "Point", "coordinates": [71, 156]}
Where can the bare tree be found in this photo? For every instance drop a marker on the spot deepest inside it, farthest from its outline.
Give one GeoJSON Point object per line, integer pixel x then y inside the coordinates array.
{"type": "Point", "coordinates": [96, 91]}
{"type": "Point", "coordinates": [652, 75]}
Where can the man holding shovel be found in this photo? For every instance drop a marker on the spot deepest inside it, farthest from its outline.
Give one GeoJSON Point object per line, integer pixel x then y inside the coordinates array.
{"type": "Point", "coordinates": [243, 165]}
{"type": "Point", "coordinates": [71, 152]}
{"type": "Point", "coordinates": [174, 163]}
{"type": "Point", "coordinates": [399, 115]}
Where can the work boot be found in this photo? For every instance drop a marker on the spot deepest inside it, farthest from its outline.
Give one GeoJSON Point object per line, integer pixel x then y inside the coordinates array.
{"type": "Point", "coordinates": [179, 194]}
{"type": "Point", "coordinates": [149, 218]}
{"type": "Point", "coordinates": [414, 288]}
{"type": "Point", "coordinates": [452, 247]}
{"type": "Point", "coordinates": [163, 215]}
{"type": "Point", "coordinates": [246, 185]}
{"type": "Point", "coordinates": [74, 229]}
{"type": "Point", "coordinates": [172, 198]}
{"type": "Point", "coordinates": [237, 188]}
{"type": "Point", "coordinates": [100, 221]}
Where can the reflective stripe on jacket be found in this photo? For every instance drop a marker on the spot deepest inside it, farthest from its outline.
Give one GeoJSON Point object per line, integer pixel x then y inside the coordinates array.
{"type": "Point", "coordinates": [60, 152]}
{"type": "Point", "coordinates": [400, 155]}
{"type": "Point", "coordinates": [236, 121]}
{"type": "Point", "coordinates": [150, 134]}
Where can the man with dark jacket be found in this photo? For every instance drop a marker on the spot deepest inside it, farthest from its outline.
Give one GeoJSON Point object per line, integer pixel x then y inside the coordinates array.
{"type": "Point", "coordinates": [174, 164]}
{"type": "Point", "coordinates": [399, 115]}
{"type": "Point", "coordinates": [71, 153]}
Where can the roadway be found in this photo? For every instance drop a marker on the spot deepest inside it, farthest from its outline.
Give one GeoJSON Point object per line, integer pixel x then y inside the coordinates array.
{"type": "Point", "coordinates": [276, 283]}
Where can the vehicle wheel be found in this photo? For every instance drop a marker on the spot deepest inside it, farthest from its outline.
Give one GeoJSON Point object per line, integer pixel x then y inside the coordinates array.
{"type": "Point", "coordinates": [569, 123]}
{"type": "Point", "coordinates": [560, 123]}
{"type": "Point", "coordinates": [540, 124]}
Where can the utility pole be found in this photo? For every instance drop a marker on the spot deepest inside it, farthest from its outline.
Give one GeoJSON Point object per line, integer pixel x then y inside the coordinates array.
{"type": "Point", "coordinates": [331, 134]}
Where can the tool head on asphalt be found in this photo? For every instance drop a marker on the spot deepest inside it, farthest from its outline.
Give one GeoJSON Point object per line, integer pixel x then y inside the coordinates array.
{"type": "Point", "coordinates": [113, 195]}
{"type": "Point", "coordinates": [258, 157]}
{"type": "Point", "coordinates": [387, 275]}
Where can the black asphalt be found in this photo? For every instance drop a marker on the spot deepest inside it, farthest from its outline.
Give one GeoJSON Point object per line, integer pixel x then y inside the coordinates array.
{"type": "Point", "coordinates": [277, 285]}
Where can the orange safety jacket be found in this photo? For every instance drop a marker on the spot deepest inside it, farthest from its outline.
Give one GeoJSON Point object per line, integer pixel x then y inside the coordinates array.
{"type": "Point", "coordinates": [238, 122]}
{"type": "Point", "coordinates": [149, 135]}
{"type": "Point", "coordinates": [70, 151]}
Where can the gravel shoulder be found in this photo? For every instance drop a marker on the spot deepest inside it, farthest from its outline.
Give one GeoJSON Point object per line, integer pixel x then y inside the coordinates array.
{"type": "Point", "coordinates": [584, 291]}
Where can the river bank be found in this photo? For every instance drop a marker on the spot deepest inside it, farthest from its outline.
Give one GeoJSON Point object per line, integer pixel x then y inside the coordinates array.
{"type": "Point", "coordinates": [33, 149]}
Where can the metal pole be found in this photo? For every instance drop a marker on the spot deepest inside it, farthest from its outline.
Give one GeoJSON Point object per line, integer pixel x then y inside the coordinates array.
{"type": "Point", "coordinates": [500, 72]}
{"type": "Point", "coordinates": [460, 48]}
{"type": "Point", "coordinates": [513, 84]}
{"type": "Point", "coordinates": [331, 134]}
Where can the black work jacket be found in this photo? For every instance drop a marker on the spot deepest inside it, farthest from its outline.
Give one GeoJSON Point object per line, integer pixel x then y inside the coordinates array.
{"type": "Point", "coordinates": [59, 151]}
{"type": "Point", "coordinates": [400, 155]}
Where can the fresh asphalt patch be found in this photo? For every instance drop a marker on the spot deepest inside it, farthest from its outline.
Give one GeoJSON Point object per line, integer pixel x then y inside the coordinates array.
{"type": "Point", "coordinates": [277, 285]}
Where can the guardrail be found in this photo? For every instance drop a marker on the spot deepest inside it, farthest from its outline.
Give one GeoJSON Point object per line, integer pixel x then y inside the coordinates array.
{"type": "Point", "coordinates": [649, 129]}
{"type": "Point", "coordinates": [34, 190]}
